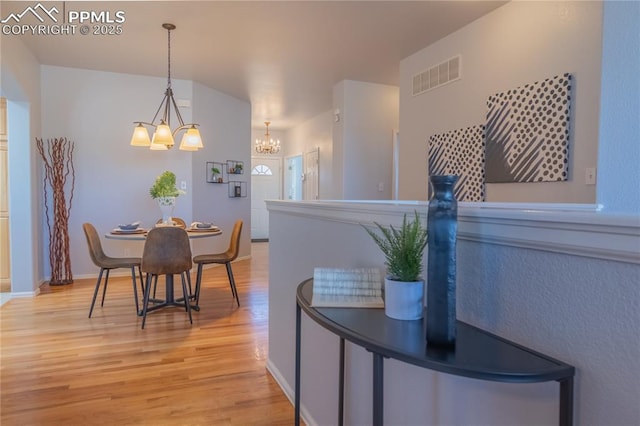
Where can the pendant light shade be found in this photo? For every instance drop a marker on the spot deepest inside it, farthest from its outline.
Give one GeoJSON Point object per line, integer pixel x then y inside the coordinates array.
{"type": "Point", "coordinates": [163, 136]}
{"type": "Point", "coordinates": [140, 136]}
{"type": "Point", "coordinates": [191, 140]}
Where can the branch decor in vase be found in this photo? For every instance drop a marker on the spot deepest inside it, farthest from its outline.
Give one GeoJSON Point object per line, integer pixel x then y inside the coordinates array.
{"type": "Point", "coordinates": [403, 249]}
{"type": "Point", "coordinates": [59, 183]}
{"type": "Point", "coordinates": [165, 191]}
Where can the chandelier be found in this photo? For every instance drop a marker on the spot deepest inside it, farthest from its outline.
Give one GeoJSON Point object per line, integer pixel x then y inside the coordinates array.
{"type": "Point", "coordinates": [163, 136]}
{"type": "Point", "coordinates": [267, 145]}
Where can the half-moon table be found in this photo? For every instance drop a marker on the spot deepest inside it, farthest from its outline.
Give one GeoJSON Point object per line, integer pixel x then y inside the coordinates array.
{"type": "Point", "coordinates": [478, 354]}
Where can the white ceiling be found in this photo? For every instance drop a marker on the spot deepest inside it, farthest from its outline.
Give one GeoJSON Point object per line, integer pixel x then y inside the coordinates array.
{"type": "Point", "coordinates": [283, 57]}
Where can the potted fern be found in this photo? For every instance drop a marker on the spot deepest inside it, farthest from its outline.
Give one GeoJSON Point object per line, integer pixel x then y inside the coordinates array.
{"type": "Point", "coordinates": [165, 191]}
{"type": "Point", "coordinates": [403, 249]}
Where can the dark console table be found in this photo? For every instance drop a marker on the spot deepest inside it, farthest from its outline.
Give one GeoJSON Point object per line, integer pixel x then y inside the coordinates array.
{"type": "Point", "coordinates": [477, 354]}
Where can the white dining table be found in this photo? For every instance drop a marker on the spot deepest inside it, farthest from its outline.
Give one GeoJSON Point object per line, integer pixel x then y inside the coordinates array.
{"type": "Point", "coordinates": [140, 235]}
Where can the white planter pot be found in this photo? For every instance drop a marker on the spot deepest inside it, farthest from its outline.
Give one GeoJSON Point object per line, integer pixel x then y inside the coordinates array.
{"type": "Point", "coordinates": [403, 300]}
{"type": "Point", "coordinates": [166, 207]}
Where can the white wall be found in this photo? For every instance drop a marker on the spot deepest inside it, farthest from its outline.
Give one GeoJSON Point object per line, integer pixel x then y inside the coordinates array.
{"type": "Point", "coordinates": [96, 110]}
{"type": "Point", "coordinates": [315, 133]}
{"type": "Point", "coordinates": [518, 43]}
{"type": "Point", "coordinates": [619, 150]}
{"type": "Point", "coordinates": [20, 84]}
{"type": "Point", "coordinates": [225, 127]}
{"type": "Point", "coordinates": [363, 140]}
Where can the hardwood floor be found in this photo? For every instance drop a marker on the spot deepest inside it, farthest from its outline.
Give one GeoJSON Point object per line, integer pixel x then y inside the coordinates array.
{"type": "Point", "coordinates": [60, 367]}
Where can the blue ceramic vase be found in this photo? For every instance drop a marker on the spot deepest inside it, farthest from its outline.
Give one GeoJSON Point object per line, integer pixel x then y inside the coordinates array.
{"type": "Point", "coordinates": [442, 224]}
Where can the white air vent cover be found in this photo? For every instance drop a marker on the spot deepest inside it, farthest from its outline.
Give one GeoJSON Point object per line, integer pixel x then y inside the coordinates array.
{"type": "Point", "coordinates": [438, 75]}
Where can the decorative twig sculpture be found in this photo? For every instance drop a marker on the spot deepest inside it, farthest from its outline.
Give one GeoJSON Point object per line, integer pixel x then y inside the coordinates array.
{"type": "Point", "coordinates": [59, 175]}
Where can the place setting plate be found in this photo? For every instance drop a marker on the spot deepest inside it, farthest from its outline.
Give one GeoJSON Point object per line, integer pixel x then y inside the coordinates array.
{"type": "Point", "coordinates": [131, 228]}
{"type": "Point", "coordinates": [203, 227]}
{"type": "Point", "coordinates": [128, 231]}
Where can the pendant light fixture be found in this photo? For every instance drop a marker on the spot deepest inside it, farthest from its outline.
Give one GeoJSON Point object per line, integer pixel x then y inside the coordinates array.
{"type": "Point", "coordinates": [163, 136]}
{"type": "Point", "coordinates": [267, 145]}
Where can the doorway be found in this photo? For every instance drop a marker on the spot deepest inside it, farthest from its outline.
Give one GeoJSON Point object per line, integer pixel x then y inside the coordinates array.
{"type": "Point", "coordinates": [293, 177]}
{"type": "Point", "coordinates": [266, 184]}
{"type": "Point", "coordinates": [311, 179]}
{"type": "Point", "coordinates": [5, 261]}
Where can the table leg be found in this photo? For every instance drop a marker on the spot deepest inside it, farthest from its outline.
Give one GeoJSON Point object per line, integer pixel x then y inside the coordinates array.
{"type": "Point", "coordinates": [170, 299]}
{"type": "Point", "coordinates": [168, 283]}
{"type": "Point", "coordinates": [378, 387]}
{"type": "Point", "coordinates": [297, 380]}
{"type": "Point", "coordinates": [566, 402]}
{"type": "Point", "coordinates": [341, 388]}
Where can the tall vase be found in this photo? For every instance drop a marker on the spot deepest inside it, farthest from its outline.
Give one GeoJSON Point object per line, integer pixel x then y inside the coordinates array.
{"type": "Point", "coordinates": [442, 223]}
{"type": "Point", "coordinates": [166, 207]}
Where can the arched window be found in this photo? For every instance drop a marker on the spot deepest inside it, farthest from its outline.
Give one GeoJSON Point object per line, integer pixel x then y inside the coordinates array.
{"type": "Point", "coordinates": [261, 170]}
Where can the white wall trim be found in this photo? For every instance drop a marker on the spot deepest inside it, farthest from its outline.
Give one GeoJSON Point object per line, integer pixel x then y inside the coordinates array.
{"type": "Point", "coordinates": [576, 229]}
{"type": "Point", "coordinates": [279, 378]}
{"type": "Point", "coordinates": [19, 294]}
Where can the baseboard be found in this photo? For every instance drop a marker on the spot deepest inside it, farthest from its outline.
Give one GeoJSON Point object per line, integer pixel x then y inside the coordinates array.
{"type": "Point", "coordinates": [277, 376]}
{"type": "Point", "coordinates": [6, 296]}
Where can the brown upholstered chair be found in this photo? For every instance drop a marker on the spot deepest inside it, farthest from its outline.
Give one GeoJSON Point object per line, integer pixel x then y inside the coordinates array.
{"type": "Point", "coordinates": [107, 263]}
{"type": "Point", "coordinates": [166, 252]}
{"type": "Point", "coordinates": [221, 258]}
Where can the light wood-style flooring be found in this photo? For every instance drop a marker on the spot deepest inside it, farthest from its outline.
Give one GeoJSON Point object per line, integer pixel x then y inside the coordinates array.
{"type": "Point", "coordinates": [59, 367]}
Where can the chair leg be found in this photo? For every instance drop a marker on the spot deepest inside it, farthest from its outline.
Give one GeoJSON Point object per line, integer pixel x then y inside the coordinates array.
{"type": "Point", "coordinates": [198, 283]}
{"type": "Point", "coordinates": [155, 286]}
{"type": "Point", "coordinates": [232, 282]}
{"type": "Point", "coordinates": [135, 287]}
{"type": "Point", "coordinates": [187, 301]}
{"type": "Point", "coordinates": [145, 303]}
{"type": "Point", "coordinates": [191, 294]}
{"type": "Point", "coordinates": [95, 292]}
{"type": "Point", "coordinates": [104, 289]}
{"type": "Point", "coordinates": [139, 312]}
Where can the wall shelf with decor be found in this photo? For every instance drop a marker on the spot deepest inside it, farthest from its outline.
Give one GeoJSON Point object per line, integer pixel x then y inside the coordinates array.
{"type": "Point", "coordinates": [235, 167]}
{"type": "Point", "coordinates": [216, 172]}
{"type": "Point", "coordinates": [237, 189]}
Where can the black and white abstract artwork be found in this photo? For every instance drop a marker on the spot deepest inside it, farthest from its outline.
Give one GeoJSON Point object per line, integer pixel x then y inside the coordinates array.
{"type": "Point", "coordinates": [527, 132]}
{"type": "Point", "coordinates": [460, 152]}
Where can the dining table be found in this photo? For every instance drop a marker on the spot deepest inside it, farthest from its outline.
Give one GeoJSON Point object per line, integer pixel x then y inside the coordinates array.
{"type": "Point", "coordinates": [140, 234]}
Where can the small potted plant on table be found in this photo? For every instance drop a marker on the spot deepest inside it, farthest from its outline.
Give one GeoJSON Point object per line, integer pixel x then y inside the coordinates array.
{"type": "Point", "coordinates": [165, 191]}
{"type": "Point", "coordinates": [403, 249]}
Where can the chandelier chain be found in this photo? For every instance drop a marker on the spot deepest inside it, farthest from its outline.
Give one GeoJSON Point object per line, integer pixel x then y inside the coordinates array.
{"type": "Point", "coordinates": [168, 58]}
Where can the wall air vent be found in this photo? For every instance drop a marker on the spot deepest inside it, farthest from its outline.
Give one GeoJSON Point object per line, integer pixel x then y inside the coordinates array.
{"type": "Point", "coordinates": [438, 75]}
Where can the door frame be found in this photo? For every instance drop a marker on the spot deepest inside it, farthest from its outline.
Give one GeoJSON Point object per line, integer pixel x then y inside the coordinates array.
{"type": "Point", "coordinates": [279, 176]}
{"type": "Point", "coordinates": [284, 172]}
{"type": "Point", "coordinates": [315, 151]}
